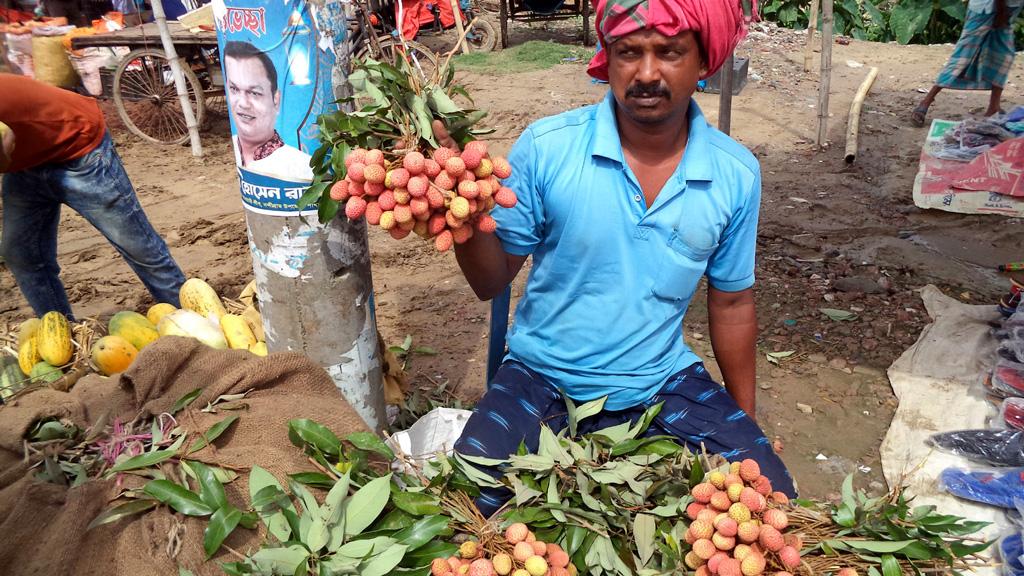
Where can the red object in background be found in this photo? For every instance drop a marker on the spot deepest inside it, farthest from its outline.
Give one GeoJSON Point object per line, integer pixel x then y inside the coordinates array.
{"type": "Point", "coordinates": [10, 16]}
{"type": "Point", "coordinates": [416, 13]}
{"type": "Point", "coordinates": [999, 169]}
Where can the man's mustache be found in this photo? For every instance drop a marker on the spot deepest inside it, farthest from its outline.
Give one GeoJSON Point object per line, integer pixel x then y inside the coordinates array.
{"type": "Point", "coordinates": [649, 90]}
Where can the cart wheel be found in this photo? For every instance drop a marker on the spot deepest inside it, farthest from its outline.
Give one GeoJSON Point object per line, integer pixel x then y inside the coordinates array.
{"type": "Point", "coordinates": [484, 38]}
{"type": "Point", "coordinates": [503, 17]}
{"type": "Point", "coordinates": [586, 23]}
{"type": "Point", "coordinates": [147, 100]}
{"type": "Point", "coordinates": [423, 59]}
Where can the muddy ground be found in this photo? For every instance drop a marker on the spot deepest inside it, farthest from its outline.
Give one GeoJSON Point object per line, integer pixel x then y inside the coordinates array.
{"type": "Point", "coordinates": [831, 235]}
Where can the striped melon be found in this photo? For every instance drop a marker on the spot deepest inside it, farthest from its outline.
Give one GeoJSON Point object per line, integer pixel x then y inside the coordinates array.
{"type": "Point", "coordinates": [54, 339]}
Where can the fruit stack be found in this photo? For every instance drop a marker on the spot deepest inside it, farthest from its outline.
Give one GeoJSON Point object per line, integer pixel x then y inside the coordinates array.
{"type": "Point", "coordinates": [444, 197]}
{"type": "Point", "coordinates": [529, 557]}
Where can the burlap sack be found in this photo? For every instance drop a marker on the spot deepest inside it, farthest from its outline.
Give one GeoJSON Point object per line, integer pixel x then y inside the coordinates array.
{"type": "Point", "coordinates": [42, 526]}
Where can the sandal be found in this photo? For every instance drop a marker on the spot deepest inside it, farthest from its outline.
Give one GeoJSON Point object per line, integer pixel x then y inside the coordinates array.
{"type": "Point", "coordinates": [917, 116]}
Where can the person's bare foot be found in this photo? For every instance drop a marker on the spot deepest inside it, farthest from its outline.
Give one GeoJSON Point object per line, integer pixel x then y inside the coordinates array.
{"type": "Point", "coordinates": [917, 115]}
{"type": "Point", "coordinates": [991, 112]}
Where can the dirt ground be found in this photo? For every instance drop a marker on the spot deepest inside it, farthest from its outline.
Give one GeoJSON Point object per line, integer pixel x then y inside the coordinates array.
{"type": "Point", "coordinates": [831, 235]}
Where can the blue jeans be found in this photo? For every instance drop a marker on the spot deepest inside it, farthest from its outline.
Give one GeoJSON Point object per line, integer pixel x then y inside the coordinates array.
{"type": "Point", "coordinates": [97, 187]}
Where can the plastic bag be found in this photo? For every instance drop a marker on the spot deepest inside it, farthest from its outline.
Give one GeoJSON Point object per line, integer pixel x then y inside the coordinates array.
{"type": "Point", "coordinates": [1002, 489]}
{"type": "Point", "coordinates": [1011, 414]}
{"type": "Point", "coordinates": [1007, 378]}
{"type": "Point", "coordinates": [19, 51]}
{"type": "Point", "coordinates": [986, 446]}
{"type": "Point", "coordinates": [1011, 551]}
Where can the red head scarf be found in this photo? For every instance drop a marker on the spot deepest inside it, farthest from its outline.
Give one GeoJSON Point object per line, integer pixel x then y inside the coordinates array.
{"type": "Point", "coordinates": [719, 23]}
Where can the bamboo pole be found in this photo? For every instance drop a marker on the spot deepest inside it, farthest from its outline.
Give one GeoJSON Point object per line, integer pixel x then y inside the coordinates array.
{"type": "Point", "coordinates": [725, 96]}
{"type": "Point", "coordinates": [179, 78]}
{"type": "Point", "coordinates": [853, 123]}
{"type": "Point", "coordinates": [459, 27]}
{"type": "Point", "coordinates": [826, 70]}
{"type": "Point", "coordinates": [812, 26]}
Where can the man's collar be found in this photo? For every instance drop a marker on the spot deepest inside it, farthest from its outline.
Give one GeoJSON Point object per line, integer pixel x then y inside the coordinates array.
{"type": "Point", "coordinates": [696, 164]}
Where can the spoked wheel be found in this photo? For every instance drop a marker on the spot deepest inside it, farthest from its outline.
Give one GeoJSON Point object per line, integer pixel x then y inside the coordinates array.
{"type": "Point", "coordinates": [482, 38]}
{"type": "Point", "coordinates": [147, 100]}
{"type": "Point", "coordinates": [422, 59]}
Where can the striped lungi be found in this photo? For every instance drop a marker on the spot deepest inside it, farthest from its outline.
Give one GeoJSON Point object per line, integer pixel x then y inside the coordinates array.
{"type": "Point", "coordinates": [983, 55]}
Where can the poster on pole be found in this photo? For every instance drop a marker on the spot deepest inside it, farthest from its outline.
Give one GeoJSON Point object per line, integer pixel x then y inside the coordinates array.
{"type": "Point", "coordinates": [276, 59]}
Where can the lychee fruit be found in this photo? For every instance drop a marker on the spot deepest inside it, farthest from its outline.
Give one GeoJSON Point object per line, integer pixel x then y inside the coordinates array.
{"type": "Point", "coordinates": [780, 498]}
{"type": "Point", "coordinates": [471, 158]}
{"type": "Point", "coordinates": [399, 232]}
{"type": "Point", "coordinates": [431, 168]}
{"type": "Point", "coordinates": [387, 200]}
{"type": "Point", "coordinates": [387, 220]}
{"type": "Point", "coordinates": [688, 537]}
{"type": "Point", "coordinates": [847, 572]}
{"type": "Point", "coordinates": [720, 501]}
{"type": "Point", "coordinates": [729, 567]}
{"type": "Point", "coordinates": [747, 532]}
{"type": "Point", "coordinates": [782, 573]}
{"type": "Point", "coordinates": [373, 188]}
{"type": "Point", "coordinates": [723, 542]}
{"type": "Point", "coordinates": [443, 242]}
{"type": "Point", "coordinates": [478, 146]}
{"type": "Point", "coordinates": [763, 486]}
{"type": "Point", "coordinates": [460, 235]}
{"type": "Point", "coordinates": [435, 225]}
{"type": "Point", "coordinates": [770, 538]}
{"type": "Point", "coordinates": [702, 571]}
{"type": "Point", "coordinates": [539, 548]}
{"type": "Point", "coordinates": [556, 571]}
{"type": "Point", "coordinates": [413, 162]}
{"type": "Point", "coordinates": [693, 509]}
{"type": "Point", "coordinates": [483, 187]}
{"type": "Point", "coordinates": [441, 155]}
{"type": "Point", "coordinates": [419, 207]}
{"type": "Point", "coordinates": [460, 207]}
{"type": "Point", "coordinates": [751, 499]}
{"type": "Point", "coordinates": [753, 564]}
{"type": "Point", "coordinates": [692, 560]}
{"type": "Point", "coordinates": [776, 519]}
{"type": "Point", "coordinates": [400, 178]}
{"type": "Point", "coordinates": [468, 549]}
{"type": "Point", "coordinates": [455, 166]}
{"type": "Point", "coordinates": [355, 208]}
{"type": "Point", "coordinates": [502, 564]}
{"type": "Point", "coordinates": [373, 212]}
{"type": "Point", "coordinates": [707, 515]}
{"type": "Point", "coordinates": [726, 526]}
{"type": "Point", "coordinates": [481, 567]}
{"type": "Point", "coordinates": [735, 491]}
{"type": "Point", "coordinates": [520, 572]}
{"type": "Point", "coordinates": [505, 197]}
{"type": "Point", "coordinates": [739, 512]}
{"type": "Point", "coordinates": [704, 548]}
{"type": "Point", "coordinates": [403, 213]}
{"type": "Point", "coordinates": [444, 181]}
{"type": "Point", "coordinates": [355, 188]}
{"type": "Point", "coordinates": [557, 557]}
{"type": "Point", "coordinates": [794, 541]}
{"type": "Point", "coordinates": [702, 529]}
{"type": "Point", "coordinates": [523, 549]}
{"type": "Point", "coordinates": [339, 191]}
{"type": "Point", "coordinates": [468, 190]}
{"type": "Point", "coordinates": [466, 176]}
{"type": "Point", "coordinates": [357, 155]}
{"type": "Point", "coordinates": [454, 223]}
{"type": "Point", "coordinates": [439, 567]}
{"type": "Point", "coordinates": [374, 156]}
{"type": "Point", "coordinates": [715, 561]}
{"type": "Point", "coordinates": [374, 174]}
{"type": "Point", "coordinates": [486, 224]}
{"type": "Point", "coordinates": [749, 470]}
{"type": "Point", "coordinates": [502, 169]}
{"type": "Point", "coordinates": [356, 171]}
{"type": "Point", "coordinates": [418, 186]}
{"type": "Point", "coordinates": [789, 557]}
{"type": "Point", "coordinates": [485, 169]}
{"type": "Point", "coordinates": [703, 492]}
{"type": "Point", "coordinates": [435, 198]}
{"type": "Point", "coordinates": [741, 551]}
{"type": "Point", "coordinates": [420, 229]}
{"type": "Point", "coordinates": [717, 479]}
{"type": "Point", "coordinates": [536, 565]}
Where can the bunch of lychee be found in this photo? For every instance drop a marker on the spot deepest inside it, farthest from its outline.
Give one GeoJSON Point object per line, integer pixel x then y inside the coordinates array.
{"type": "Point", "coordinates": [529, 557]}
{"type": "Point", "coordinates": [737, 525]}
{"type": "Point", "coordinates": [444, 197]}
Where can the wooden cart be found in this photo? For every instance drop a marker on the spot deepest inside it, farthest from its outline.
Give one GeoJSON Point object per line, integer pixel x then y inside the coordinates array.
{"type": "Point", "coordinates": [543, 10]}
{"type": "Point", "coordinates": [143, 89]}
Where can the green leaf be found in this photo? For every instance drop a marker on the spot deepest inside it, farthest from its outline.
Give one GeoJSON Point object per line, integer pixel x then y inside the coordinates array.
{"type": "Point", "coordinates": [524, 493]}
{"type": "Point", "coordinates": [440, 102]}
{"type": "Point", "coordinates": [878, 546]}
{"type": "Point", "coordinates": [482, 461]}
{"type": "Point", "coordinates": [581, 413]}
{"type": "Point", "coordinates": [423, 531]}
{"type": "Point", "coordinates": [122, 511]}
{"type": "Point", "coordinates": [181, 403]}
{"type": "Point", "coordinates": [52, 430]}
{"type": "Point", "coordinates": [383, 563]}
{"type": "Point", "coordinates": [549, 445]}
{"type": "Point", "coordinates": [180, 499]}
{"type": "Point", "coordinates": [838, 315]}
{"type": "Point", "coordinates": [222, 523]}
{"type": "Point", "coordinates": [643, 535]}
{"type": "Point", "coordinates": [147, 459]}
{"type": "Point", "coordinates": [396, 519]}
{"type": "Point", "coordinates": [314, 479]}
{"type": "Point", "coordinates": [416, 503]}
{"type": "Point", "coordinates": [276, 523]}
{"type": "Point", "coordinates": [212, 434]}
{"type": "Point", "coordinates": [661, 447]}
{"type": "Point", "coordinates": [328, 208]}
{"type": "Point", "coordinates": [211, 491]}
{"type": "Point", "coordinates": [280, 560]}
{"type": "Point", "coordinates": [363, 507]}
{"type": "Point", "coordinates": [315, 434]}
{"type": "Point", "coordinates": [890, 567]}
{"type": "Point", "coordinates": [847, 491]}
{"type": "Point", "coordinates": [428, 552]}
{"type": "Point", "coordinates": [371, 443]}
{"type": "Point", "coordinates": [909, 18]}
{"type": "Point", "coordinates": [312, 194]}
{"type": "Point", "coordinates": [534, 462]}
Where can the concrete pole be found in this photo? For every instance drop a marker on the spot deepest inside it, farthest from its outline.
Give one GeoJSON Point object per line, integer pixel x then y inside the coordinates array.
{"type": "Point", "coordinates": [179, 79]}
{"type": "Point", "coordinates": [313, 281]}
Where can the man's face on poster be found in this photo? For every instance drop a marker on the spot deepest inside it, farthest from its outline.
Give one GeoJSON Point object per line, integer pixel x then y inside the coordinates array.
{"type": "Point", "coordinates": [254, 103]}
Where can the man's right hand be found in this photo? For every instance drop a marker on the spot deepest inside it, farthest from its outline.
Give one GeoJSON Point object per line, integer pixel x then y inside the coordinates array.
{"type": "Point", "coordinates": [444, 139]}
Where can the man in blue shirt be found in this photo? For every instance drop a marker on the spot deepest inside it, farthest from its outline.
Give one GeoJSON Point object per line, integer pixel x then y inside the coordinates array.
{"type": "Point", "coordinates": [624, 206]}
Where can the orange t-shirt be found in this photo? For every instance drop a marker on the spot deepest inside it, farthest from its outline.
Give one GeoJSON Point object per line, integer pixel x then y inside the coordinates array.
{"type": "Point", "coordinates": [50, 124]}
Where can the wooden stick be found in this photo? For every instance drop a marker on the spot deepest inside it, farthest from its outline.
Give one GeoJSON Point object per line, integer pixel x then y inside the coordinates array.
{"type": "Point", "coordinates": [826, 70]}
{"type": "Point", "coordinates": [459, 27]}
{"type": "Point", "coordinates": [853, 122]}
{"type": "Point", "coordinates": [725, 96]}
{"type": "Point", "coordinates": [812, 26]}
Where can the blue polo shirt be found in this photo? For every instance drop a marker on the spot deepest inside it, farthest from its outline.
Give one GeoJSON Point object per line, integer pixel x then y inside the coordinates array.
{"type": "Point", "coordinates": [611, 277]}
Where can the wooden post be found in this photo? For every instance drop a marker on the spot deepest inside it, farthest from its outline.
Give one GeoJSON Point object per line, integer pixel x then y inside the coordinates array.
{"type": "Point", "coordinates": [725, 96]}
{"type": "Point", "coordinates": [459, 27]}
{"type": "Point", "coordinates": [313, 281]}
{"type": "Point", "coordinates": [179, 78]}
{"type": "Point", "coordinates": [826, 71]}
{"type": "Point", "coordinates": [812, 26]}
{"type": "Point", "coordinates": [853, 122]}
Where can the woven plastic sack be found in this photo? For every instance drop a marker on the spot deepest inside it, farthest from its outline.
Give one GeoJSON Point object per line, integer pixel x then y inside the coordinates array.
{"type": "Point", "coordinates": [51, 62]}
{"type": "Point", "coordinates": [89, 64]}
{"type": "Point", "coordinates": [19, 51]}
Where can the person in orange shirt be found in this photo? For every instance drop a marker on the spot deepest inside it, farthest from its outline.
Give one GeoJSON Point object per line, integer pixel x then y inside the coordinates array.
{"type": "Point", "coordinates": [56, 150]}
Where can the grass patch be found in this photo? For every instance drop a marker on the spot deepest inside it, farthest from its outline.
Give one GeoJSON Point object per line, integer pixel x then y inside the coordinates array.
{"type": "Point", "coordinates": [526, 57]}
